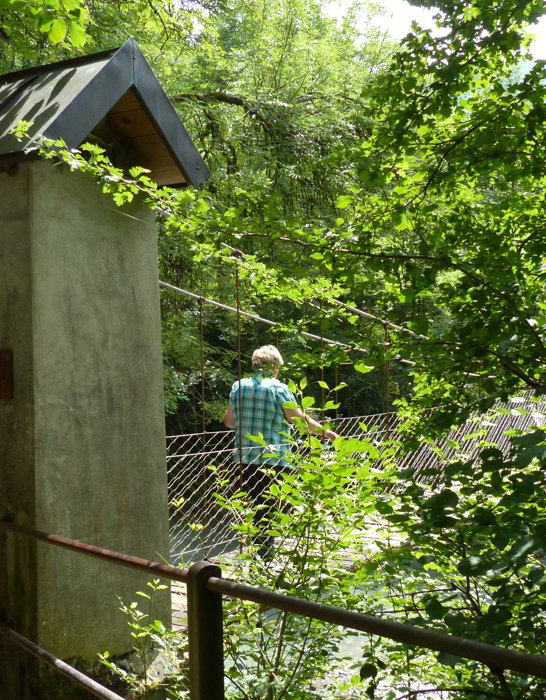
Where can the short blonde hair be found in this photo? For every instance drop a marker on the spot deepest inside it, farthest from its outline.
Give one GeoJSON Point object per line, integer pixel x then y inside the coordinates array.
{"type": "Point", "coordinates": [266, 356]}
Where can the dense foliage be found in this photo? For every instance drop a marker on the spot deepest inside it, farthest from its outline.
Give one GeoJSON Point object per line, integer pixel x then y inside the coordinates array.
{"type": "Point", "coordinates": [257, 86]}
{"type": "Point", "coordinates": [390, 200]}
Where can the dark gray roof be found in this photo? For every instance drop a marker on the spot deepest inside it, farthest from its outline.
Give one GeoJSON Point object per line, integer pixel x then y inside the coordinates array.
{"type": "Point", "coordinates": [111, 97]}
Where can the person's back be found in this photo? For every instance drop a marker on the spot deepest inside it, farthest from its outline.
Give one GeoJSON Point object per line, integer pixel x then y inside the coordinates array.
{"type": "Point", "coordinates": [258, 409]}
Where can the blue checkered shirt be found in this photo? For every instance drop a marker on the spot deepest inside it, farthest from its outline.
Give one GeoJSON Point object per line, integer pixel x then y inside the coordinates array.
{"type": "Point", "coordinates": [261, 404]}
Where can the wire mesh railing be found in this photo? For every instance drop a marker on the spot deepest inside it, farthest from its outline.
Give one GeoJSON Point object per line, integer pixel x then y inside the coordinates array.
{"type": "Point", "coordinates": [201, 468]}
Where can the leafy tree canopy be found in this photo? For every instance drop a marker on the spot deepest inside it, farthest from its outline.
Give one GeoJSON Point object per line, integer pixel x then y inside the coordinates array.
{"type": "Point", "coordinates": [413, 193]}
{"type": "Point", "coordinates": [396, 198]}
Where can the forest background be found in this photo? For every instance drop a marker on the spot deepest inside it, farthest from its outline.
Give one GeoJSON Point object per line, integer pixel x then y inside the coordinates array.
{"type": "Point", "coordinates": [350, 172]}
{"type": "Point", "coordinates": [390, 197]}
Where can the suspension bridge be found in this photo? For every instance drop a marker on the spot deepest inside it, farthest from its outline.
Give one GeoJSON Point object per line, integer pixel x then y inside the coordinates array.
{"type": "Point", "coordinates": [200, 468]}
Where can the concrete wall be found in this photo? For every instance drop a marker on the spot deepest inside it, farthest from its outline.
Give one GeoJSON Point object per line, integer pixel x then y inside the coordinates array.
{"type": "Point", "coordinates": [82, 451]}
{"type": "Point", "coordinates": [18, 593]}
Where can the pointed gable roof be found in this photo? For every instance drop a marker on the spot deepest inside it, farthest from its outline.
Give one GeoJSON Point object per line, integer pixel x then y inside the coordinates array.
{"type": "Point", "coordinates": [112, 98]}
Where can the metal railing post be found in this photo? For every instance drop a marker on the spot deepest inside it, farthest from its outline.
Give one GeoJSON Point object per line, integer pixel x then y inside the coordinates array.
{"type": "Point", "coordinates": [205, 633]}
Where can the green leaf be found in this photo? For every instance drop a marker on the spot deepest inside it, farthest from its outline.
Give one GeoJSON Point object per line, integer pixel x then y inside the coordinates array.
{"type": "Point", "coordinates": [483, 516]}
{"type": "Point", "coordinates": [45, 21]}
{"type": "Point", "coordinates": [58, 30]}
{"type": "Point", "coordinates": [524, 547]}
{"type": "Point", "coordinates": [435, 609]}
{"type": "Point", "coordinates": [537, 575]}
{"type": "Point", "coordinates": [491, 453]}
{"type": "Point", "coordinates": [368, 670]}
{"type": "Point", "coordinates": [202, 206]}
{"type": "Point", "coordinates": [339, 386]}
{"type": "Point", "coordinates": [362, 368]}
{"type": "Point", "coordinates": [343, 201]}
{"type": "Point", "coordinates": [470, 13]}
{"type": "Point", "coordinates": [529, 447]}
{"type": "Point", "coordinates": [448, 659]}
{"type": "Point", "coordinates": [441, 501]}
{"type": "Point", "coordinates": [474, 566]}
{"type": "Point", "coordinates": [354, 446]}
{"type": "Point", "coordinates": [77, 34]}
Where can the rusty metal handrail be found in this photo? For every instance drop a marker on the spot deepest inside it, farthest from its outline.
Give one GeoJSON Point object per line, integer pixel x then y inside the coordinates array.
{"type": "Point", "coordinates": [126, 560]}
{"type": "Point", "coordinates": [151, 567]}
{"type": "Point", "coordinates": [60, 666]}
{"type": "Point", "coordinates": [492, 656]}
{"type": "Point", "coordinates": [205, 591]}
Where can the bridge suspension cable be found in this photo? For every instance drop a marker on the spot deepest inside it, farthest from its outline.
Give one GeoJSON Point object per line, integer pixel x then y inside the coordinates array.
{"type": "Point", "coordinates": [197, 297]}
